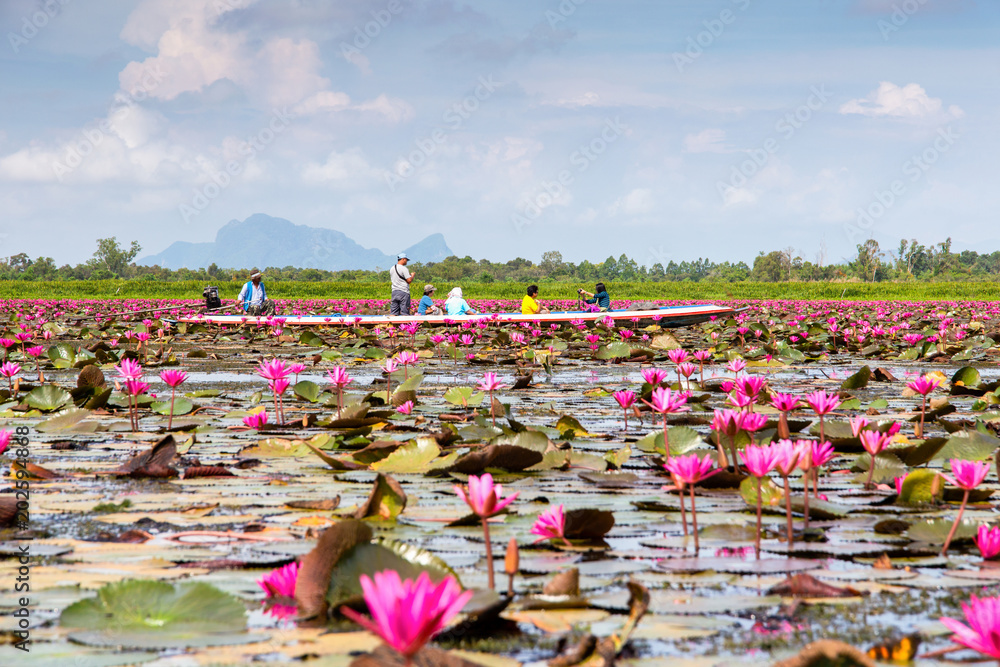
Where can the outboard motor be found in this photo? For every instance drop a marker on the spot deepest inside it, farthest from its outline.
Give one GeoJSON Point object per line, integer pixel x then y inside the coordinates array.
{"type": "Point", "coordinates": [212, 300]}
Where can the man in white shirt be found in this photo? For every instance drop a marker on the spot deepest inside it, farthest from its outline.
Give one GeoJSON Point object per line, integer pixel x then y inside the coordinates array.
{"type": "Point", "coordinates": [400, 277]}
{"type": "Point", "coordinates": [253, 297]}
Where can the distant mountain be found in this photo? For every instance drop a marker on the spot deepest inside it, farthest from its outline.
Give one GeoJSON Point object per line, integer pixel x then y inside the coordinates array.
{"type": "Point", "coordinates": [263, 241]}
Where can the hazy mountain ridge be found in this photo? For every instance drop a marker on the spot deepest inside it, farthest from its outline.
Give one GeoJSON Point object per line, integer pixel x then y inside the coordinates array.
{"type": "Point", "coordinates": [262, 240]}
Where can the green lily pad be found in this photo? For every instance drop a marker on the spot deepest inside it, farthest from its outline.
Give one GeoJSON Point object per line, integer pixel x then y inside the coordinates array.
{"type": "Point", "coordinates": [145, 613]}
{"type": "Point", "coordinates": [414, 457]}
{"type": "Point", "coordinates": [48, 397]}
{"type": "Point", "coordinates": [307, 390]}
{"type": "Point", "coordinates": [182, 406]}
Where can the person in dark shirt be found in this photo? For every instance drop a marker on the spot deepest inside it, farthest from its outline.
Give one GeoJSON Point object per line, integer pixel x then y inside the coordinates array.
{"type": "Point", "coordinates": [600, 296]}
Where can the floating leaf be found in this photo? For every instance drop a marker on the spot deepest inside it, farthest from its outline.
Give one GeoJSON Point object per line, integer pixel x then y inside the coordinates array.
{"type": "Point", "coordinates": [307, 390]}
{"type": "Point", "coordinates": [921, 487]}
{"type": "Point", "coordinates": [182, 406]}
{"type": "Point", "coordinates": [857, 381]}
{"type": "Point", "coordinates": [48, 397]}
{"type": "Point", "coordinates": [413, 457]}
{"type": "Point", "coordinates": [163, 614]}
{"type": "Point", "coordinates": [386, 501]}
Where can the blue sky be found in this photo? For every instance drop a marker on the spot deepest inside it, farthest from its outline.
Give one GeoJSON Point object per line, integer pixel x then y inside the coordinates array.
{"type": "Point", "coordinates": [666, 130]}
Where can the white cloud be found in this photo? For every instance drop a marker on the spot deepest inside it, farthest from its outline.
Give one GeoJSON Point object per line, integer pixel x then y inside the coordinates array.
{"type": "Point", "coordinates": [707, 141]}
{"type": "Point", "coordinates": [637, 202]}
{"type": "Point", "coordinates": [323, 101]}
{"type": "Point", "coordinates": [341, 169]}
{"type": "Point", "coordinates": [392, 109]}
{"type": "Point", "coordinates": [909, 101]}
{"type": "Point", "coordinates": [193, 51]}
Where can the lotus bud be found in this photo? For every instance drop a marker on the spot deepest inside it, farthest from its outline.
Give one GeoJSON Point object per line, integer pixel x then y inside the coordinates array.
{"type": "Point", "coordinates": [511, 564]}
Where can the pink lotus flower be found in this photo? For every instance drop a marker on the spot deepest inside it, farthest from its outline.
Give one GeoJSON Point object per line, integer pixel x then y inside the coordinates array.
{"type": "Point", "coordinates": [339, 378]}
{"type": "Point", "coordinates": [129, 369]}
{"type": "Point", "coordinates": [966, 475]}
{"type": "Point", "coordinates": [406, 408]}
{"type": "Point", "coordinates": [490, 382]}
{"type": "Point", "coordinates": [858, 424]}
{"type": "Point", "coordinates": [678, 356]}
{"type": "Point", "coordinates": [5, 436]}
{"type": "Point", "coordinates": [988, 541]}
{"type": "Point", "coordinates": [654, 376]}
{"type": "Point", "coordinates": [274, 369]}
{"type": "Point", "coordinates": [486, 500]}
{"type": "Point", "coordinates": [702, 355]}
{"type": "Point", "coordinates": [279, 587]}
{"type": "Point", "coordinates": [736, 365]}
{"type": "Point", "coordinates": [923, 386]}
{"type": "Point", "coordinates": [787, 456]}
{"type": "Point", "coordinates": [626, 399]}
{"type": "Point", "coordinates": [785, 402]}
{"type": "Point", "coordinates": [689, 470]}
{"type": "Point", "coordinates": [667, 402]}
{"type": "Point", "coordinates": [173, 378]}
{"type": "Point", "coordinates": [406, 614]}
{"type": "Point", "coordinates": [751, 385]}
{"type": "Point", "coordinates": [256, 421]}
{"type": "Point", "coordinates": [741, 400]}
{"type": "Point", "coordinates": [822, 403]}
{"type": "Point", "coordinates": [35, 351]}
{"type": "Point", "coordinates": [759, 461]}
{"type": "Point", "coordinates": [983, 632]}
{"type": "Point", "coordinates": [551, 525]}
{"type": "Point", "coordinates": [136, 387]}
{"type": "Point", "coordinates": [279, 385]}
{"type": "Point", "coordinates": [822, 453]}
{"type": "Point", "coordinates": [483, 497]}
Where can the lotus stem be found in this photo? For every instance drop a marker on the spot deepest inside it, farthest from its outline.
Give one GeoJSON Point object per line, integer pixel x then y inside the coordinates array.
{"type": "Point", "coordinates": [489, 552]}
{"type": "Point", "coordinates": [954, 526]}
{"type": "Point", "coordinates": [340, 400]}
{"type": "Point", "coordinates": [170, 420]}
{"type": "Point", "coordinates": [822, 434]}
{"type": "Point", "coordinates": [758, 517]}
{"type": "Point", "coordinates": [805, 501]}
{"type": "Point", "coordinates": [788, 510]}
{"type": "Point", "coordinates": [694, 522]}
{"type": "Point", "coordinates": [923, 411]}
{"type": "Point", "coordinates": [680, 495]}
{"type": "Point", "coordinates": [871, 471]}
{"type": "Point", "coordinates": [666, 440]}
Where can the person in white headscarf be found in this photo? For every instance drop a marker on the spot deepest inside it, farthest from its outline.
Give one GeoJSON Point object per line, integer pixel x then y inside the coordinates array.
{"type": "Point", "coordinates": [456, 305]}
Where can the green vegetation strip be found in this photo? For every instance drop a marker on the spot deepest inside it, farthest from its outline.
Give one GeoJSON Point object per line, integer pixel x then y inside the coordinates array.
{"type": "Point", "coordinates": [144, 289]}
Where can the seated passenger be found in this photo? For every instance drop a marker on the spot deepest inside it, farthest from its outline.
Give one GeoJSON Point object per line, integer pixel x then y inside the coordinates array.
{"type": "Point", "coordinates": [529, 304]}
{"type": "Point", "coordinates": [426, 305]}
{"type": "Point", "coordinates": [456, 305]}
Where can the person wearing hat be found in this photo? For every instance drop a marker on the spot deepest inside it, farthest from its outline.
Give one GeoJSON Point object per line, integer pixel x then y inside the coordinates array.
{"type": "Point", "coordinates": [426, 305]}
{"type": "Point", "coordinates": [253, 297]}
{"type": "Point", "coordinates": [400, 277]}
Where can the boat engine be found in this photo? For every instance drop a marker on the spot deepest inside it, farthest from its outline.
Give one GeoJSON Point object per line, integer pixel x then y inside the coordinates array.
{"type": "Point", "coordinates": [212, 300]}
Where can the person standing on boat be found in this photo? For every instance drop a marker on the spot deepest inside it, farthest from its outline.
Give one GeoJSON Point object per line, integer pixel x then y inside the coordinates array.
{"type": "Point", "coordinates": [456, 305]}
{"type": "Point", "coordinates": [253, 297]}
{"type": "Point", "coordinates": [529, 304]}
{"type": "Point", "coordinates": [400, 277]}
{"type": "Point", "coordinates": [600, 296]}
{"type": "Point", "coordinates": [426, 305]}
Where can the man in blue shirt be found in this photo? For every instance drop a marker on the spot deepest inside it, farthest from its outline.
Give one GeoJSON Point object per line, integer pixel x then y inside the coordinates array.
{"type": "Point", "coordinates": [253, 297]}
{"type": "Point", "coordinates": [426, 305]}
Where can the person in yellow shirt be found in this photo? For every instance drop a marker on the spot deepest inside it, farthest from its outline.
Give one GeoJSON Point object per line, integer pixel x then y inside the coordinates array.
{"type": "Point", "coordinates": [529, 304]}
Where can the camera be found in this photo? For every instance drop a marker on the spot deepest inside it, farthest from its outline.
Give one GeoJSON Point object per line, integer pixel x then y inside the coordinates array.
{"type": "Point", "coordinates": [212, 300]}
{"type": "Point", "coordinates": [579, 290]}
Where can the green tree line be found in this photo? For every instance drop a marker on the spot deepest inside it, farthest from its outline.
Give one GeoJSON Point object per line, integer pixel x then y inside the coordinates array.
{"type": "Point", "coordinates": [910, 261]}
